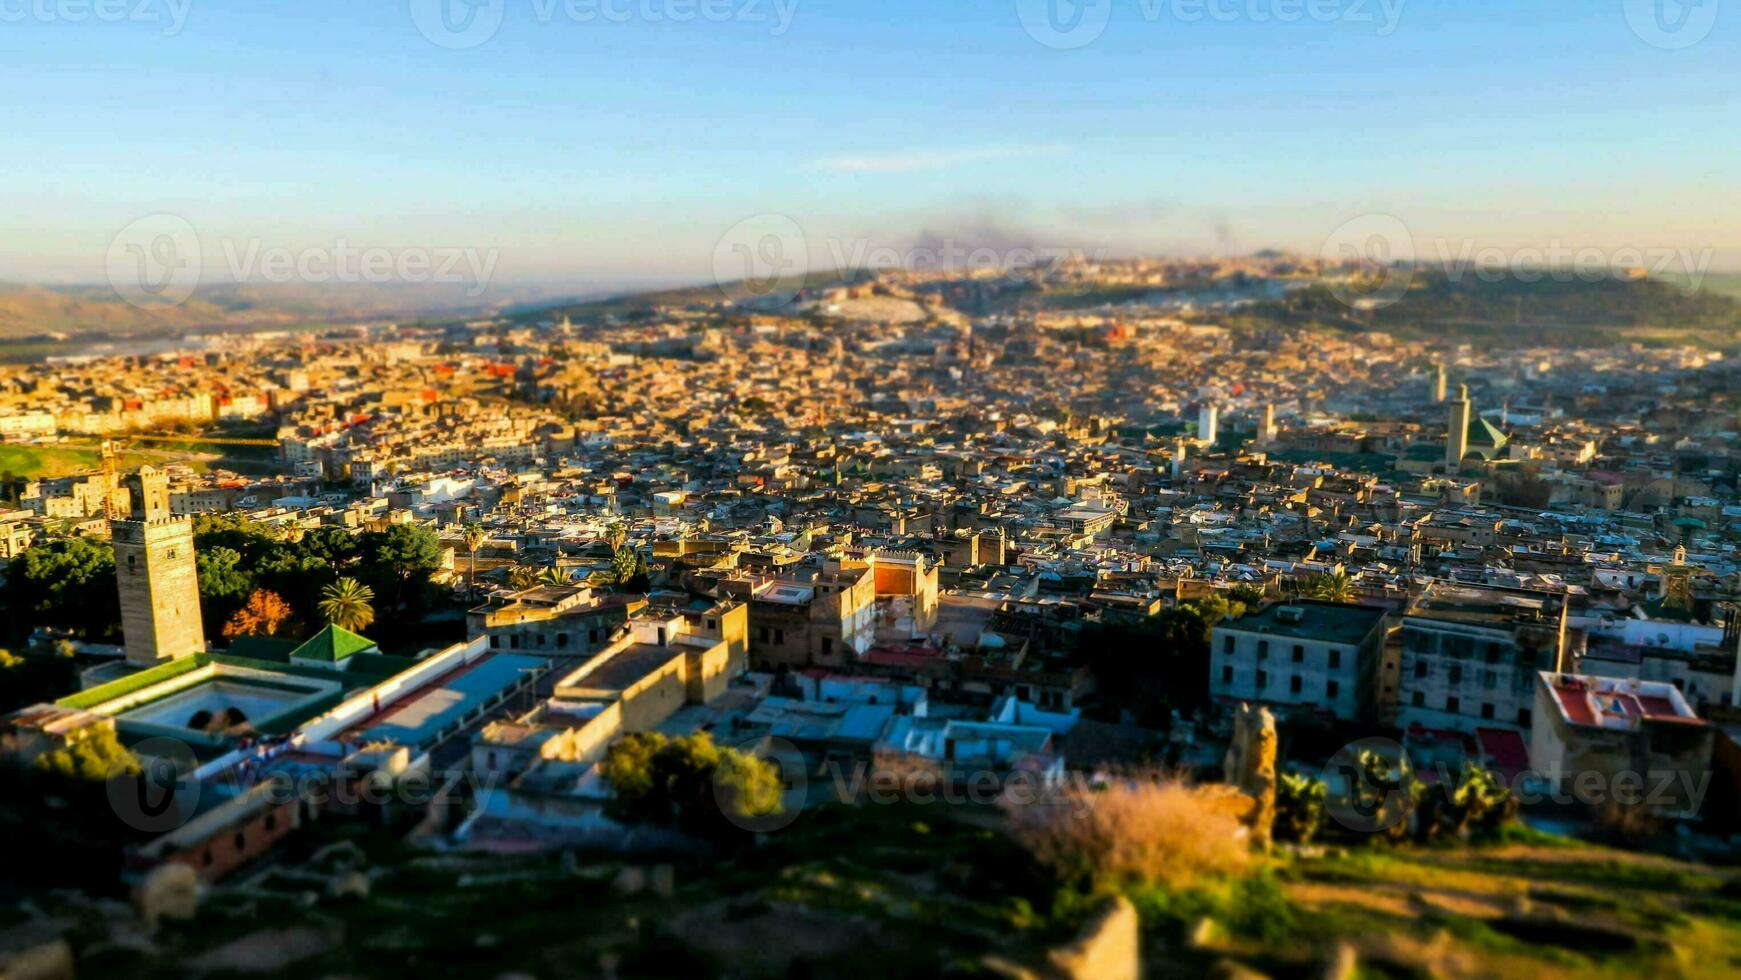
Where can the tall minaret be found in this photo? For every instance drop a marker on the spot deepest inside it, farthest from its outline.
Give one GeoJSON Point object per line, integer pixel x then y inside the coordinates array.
{"type": "Point", "coordinates": [1207, 418]}
{"type": "Point", "coordinates": [1178, 459]}
{"type": "Point", "coordinates": [1439, 382]}
{"type": "Point", "coordinates": [1457, 430]}
{"type": "Point", "coordinates": [156, 576]}
{"type": "Point", "coordinates": [1266, 426]}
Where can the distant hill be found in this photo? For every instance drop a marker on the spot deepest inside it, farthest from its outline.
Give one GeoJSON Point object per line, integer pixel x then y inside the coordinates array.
{"type": "Point", "coordinates": [34, 311]}
{"type": "Point", "coordinates": [1512, 310]}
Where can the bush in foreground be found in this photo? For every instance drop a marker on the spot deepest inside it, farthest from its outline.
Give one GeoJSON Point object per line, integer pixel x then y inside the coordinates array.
{"type": "Point", "coordinates": [1134, 832]}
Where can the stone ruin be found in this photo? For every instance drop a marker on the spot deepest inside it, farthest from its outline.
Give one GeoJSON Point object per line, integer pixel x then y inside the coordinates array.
{"type": "Point", "coordinates": [1250, 766]}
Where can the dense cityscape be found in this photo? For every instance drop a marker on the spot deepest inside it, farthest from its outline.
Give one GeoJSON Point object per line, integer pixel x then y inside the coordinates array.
{"type": "Point", "coordinates": [635, 583]}
{"type": "Point", "coordinates": [798, 489]}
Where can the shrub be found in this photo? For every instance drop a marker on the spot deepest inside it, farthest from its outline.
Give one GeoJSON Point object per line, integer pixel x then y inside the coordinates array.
{"type": "Point", "coordinates": [1300, 803]}
{"type": "Point", "coordinates": [1133, 832]}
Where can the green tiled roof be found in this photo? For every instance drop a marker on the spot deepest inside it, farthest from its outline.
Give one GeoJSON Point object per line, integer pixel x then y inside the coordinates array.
{"type": "Point", "coordinates": [331, 645]}
{"type": "Point", "coordinates": [1485, 433]}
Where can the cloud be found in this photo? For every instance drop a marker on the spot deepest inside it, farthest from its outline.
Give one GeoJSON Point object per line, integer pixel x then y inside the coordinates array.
{"type": "Point", "coordinates": [911, 160]}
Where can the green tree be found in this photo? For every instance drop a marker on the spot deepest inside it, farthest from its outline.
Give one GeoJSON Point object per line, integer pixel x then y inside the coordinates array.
{"type": "Point", "coordinates": [34, 678]}
{"type": "Point", "coordinates": [399, 561]}
{"type": "Point", "coordinates": [223, 584]}
{"type": "Point", "coordinates": [690, 782]}
{"type": "Point", "coordinates": [348, 604]}
{"type": "Point", "coordinates": [65, 582]}
{"type": "Point", "coordinates": [93, 755]}
{"type": "Point", "coordinates": [522, 577]}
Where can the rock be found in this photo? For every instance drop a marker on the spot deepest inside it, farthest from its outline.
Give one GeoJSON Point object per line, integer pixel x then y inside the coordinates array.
{"type": "Point", "coordinates": [1108, 948]}
{"type": "Point", "coordinates": [1227, 969]}
{"type": "Point", "coordinates": [32, 952]}
{"type": "Point", "coordinates": [1205, 934]}
{"type": "Point", "coordinates": [1250, 765]}
{"type": "Point", "coordinates": [351, 884]}
{"type": "Point", "coordinates": [630, 881]}
{"type": "Point", "coordinates": [664, 880]}
{"type": "Point", "coordinates": [170, 891]}
{"type": "Point", "coordinates": [1343, 963]}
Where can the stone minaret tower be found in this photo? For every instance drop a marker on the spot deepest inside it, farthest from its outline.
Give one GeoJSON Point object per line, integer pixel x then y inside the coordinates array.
{"type": "Point", "coordinates": [1457, 430]}
{"type": "Point", "coordinates": [155, 572]}
{"type": "Point", "coordinates": [1438, 382]}
{"type": "Point", "coordinates": [1266, 426]}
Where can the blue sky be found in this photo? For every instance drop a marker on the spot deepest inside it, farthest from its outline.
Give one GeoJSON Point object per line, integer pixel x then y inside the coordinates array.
{"type": "Point", "coordinates": [591, 151]}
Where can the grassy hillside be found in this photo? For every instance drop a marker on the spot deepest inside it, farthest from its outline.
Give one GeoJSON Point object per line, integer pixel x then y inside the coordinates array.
{"type": "Point", "coordinates": [933, 890]}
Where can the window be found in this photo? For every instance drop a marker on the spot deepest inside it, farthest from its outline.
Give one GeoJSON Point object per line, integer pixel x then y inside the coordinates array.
{"type": "Point", "coordinates": [1299, 654]}
{"type": "Point", "coordinates": [1263, 649]}
{"type": "Point", "coordinates": [241, 840]}
{"type": "Point", "coordinates": [1453, 705]}
{"type": "Point", "coordinates": [592, 636]}
{"type": "Point", "coordinates": [1523, 717]}
{"type": "Point", "coordinates": [1331, 689]}
{"type": "Point", "coordinates": [827, 644]}
{"type": "Point", "coordinates": [1227, 674]}
{"type": "Point", "coordinates": [1489, 678]}
{"type": "Point", "coordinates": [1419, 700]}
{"type": "Point", "coordinates": [495, 643]}
{"type": "Point", "coordinates": [1456, 673]}
{"type": "Point", "coordinates": [1262, 680]}
{"type": "Point", "coordinates": [1335, 659]}
{"type": "Point", "coordinates": [779, 636]}
{"type": "Point", "coordinates": [1295, 684]}
{"type": "Point", "coordinates": [561, 640]}
{"type": "Point", "coordinates": [1227, 644]}
{"type": "Point", "coordinates": [1420, 667]}
{"type": "Point", "coordinates": [1487, 711]}
{"type": "Point", "coordinates": [713, 624]}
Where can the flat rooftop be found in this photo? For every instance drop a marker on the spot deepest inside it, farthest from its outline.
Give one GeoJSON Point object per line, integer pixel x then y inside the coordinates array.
{"type": "Point", "coordinates": [419, 717]}
{"type": "Point", "coordinates": [620, 670]}
{"type": "Point", "coordinates": [1486, 604]}
{"type": "Point", "coordinates": [1329, 622]}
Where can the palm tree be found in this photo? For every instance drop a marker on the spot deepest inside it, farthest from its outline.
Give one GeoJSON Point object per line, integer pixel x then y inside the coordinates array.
{"type": "Point", "coordinates": [475, 536]}
{"type": "Point", "coordinates": [615, 535]}
{"type": "Point", "coordinates": [1335, 587]}
{"type": "Point", "coordinates": [347, 604]}
{"type": "Point", "coordinates": [522, 577]}
{"type": "Point", "coordinates": [553, 576]}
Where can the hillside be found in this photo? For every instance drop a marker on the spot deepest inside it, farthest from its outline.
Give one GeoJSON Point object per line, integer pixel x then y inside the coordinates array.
{"type": "Point", "coordinates": [933, 890]}
{"type": "Point", "coordinates": [1513, 311]}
